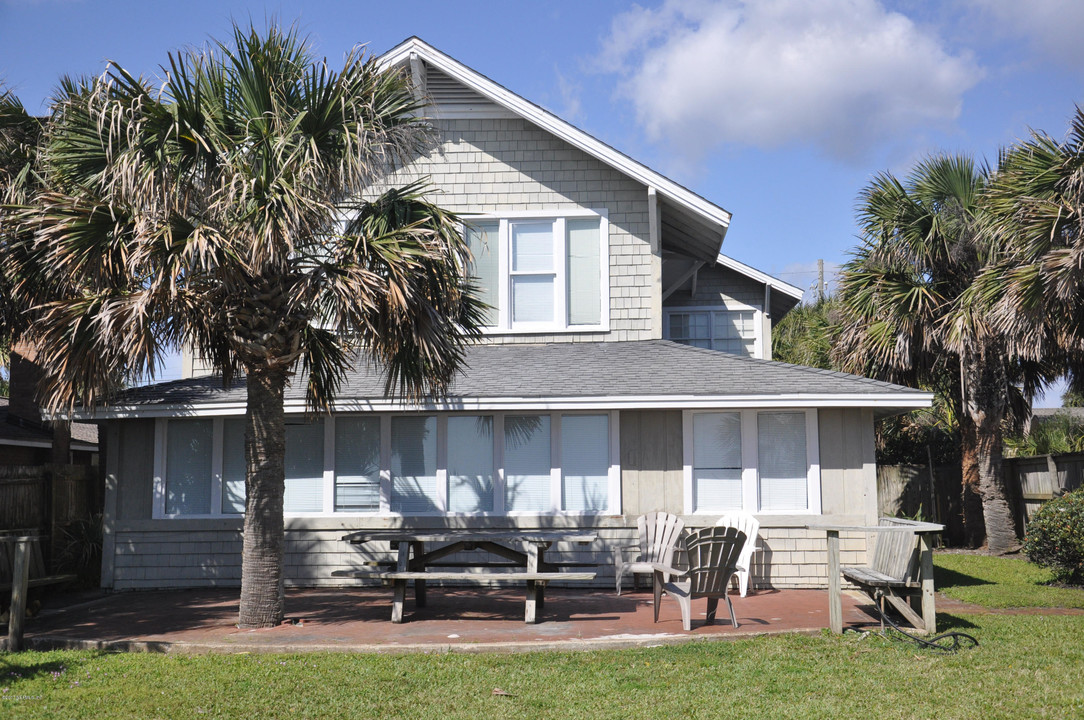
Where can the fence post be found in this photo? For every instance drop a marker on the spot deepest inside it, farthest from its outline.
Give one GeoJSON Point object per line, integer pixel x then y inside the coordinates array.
{"type": "Point", "coordinates": [20, 578]}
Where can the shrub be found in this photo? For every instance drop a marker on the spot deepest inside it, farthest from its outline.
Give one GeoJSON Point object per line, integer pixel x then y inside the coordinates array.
{"type": "Point", "coordinates": [1055, 537]}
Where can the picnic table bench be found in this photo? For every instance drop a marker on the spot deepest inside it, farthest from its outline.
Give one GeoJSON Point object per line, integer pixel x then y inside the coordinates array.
{"type": "Point", "coordinates": [414, 562]}
{"type": "Point", "coordinates": [900, 570]}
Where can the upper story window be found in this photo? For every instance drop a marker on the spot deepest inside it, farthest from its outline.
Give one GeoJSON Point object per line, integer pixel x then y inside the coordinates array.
{"type": "Point", "coordinates": [732, 330]}
{"type": "Point", "coordinates": [542, 273]}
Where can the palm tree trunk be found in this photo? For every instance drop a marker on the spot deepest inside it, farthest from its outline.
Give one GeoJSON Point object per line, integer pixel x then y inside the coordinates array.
{"type": "Point", "coordinates": [970, 496]}
{"type": "Point", "coordinates": [985, 400]}
{"type": "Point", "coordinates": [262, 596]}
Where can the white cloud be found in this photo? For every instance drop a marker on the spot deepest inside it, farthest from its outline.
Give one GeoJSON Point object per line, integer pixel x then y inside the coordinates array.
{"type": "Point", "coordinates": [841, 75]}
{"type": "Point", "coordinates": [1052, 27]}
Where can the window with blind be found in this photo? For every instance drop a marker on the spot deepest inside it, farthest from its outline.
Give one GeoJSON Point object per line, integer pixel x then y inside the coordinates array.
{"type": "Point", "coordinates": [759, 461]}
{"type": "Point", "coordinates": [542, 273]}
{"type": "Point", "coordinates": [501, 463]}
{"type": "Point", "coordinates": [717, 462]}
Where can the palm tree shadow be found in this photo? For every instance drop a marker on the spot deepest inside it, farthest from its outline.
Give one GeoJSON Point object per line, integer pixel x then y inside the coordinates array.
{"type": "Point", "coordinates": [944, 578]}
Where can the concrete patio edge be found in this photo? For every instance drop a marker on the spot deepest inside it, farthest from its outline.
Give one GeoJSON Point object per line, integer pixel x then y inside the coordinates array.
{"type": "Point", "coordinates": [617, 642]}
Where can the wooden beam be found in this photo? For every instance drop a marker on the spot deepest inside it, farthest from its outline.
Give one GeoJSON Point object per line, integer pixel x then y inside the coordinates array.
{"type": "Point", "coordinates": [417, 76]}
{"type": "Point", "coordinates": [691, 272]}
{"type": "Point", "coordinates": [835, 591]}
{"type": "Point", "coordinates": [20, 578]}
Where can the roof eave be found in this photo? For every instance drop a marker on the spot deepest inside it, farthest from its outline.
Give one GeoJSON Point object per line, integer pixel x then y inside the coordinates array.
{"type": "Point", "coordinates": [885, 403]}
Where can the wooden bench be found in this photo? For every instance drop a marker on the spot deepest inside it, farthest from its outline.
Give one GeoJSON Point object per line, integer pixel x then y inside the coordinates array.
{"type": "Point", "coordinates": [900, 570]}
{"type": "Point", "coordinates": [536, 583]}
{"type": "Point", "coordinates": [22, 566]}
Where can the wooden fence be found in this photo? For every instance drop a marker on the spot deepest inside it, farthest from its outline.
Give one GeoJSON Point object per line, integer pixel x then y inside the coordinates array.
{"type": "Point", "coordinates": [42, 499]}
{"type": "Point", "coordinates": [913, 491]}
{"type": "Point", "coordinates": [1038, 479]}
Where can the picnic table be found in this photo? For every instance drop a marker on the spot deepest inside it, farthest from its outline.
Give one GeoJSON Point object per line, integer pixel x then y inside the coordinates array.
{"type": "Point", "coordinates": [421, 557]}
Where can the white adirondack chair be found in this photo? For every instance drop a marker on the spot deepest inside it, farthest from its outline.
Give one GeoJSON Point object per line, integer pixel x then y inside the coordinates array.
{"type": "Point", "coordinates": [713, 560]}
{"type": "Point", "coordinates": [659, 535]}
{"type": "Point", "coordinates": [749, 525]}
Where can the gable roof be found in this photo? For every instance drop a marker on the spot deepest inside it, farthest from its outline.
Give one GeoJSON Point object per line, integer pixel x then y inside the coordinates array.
{"type": "Point", "coordinates": [762, 277]}
{"type": "Point", "coordinates": [84, 436]}
{"type": "Point", "coordinates": [558, 376]}
{"type": "Point", "coordinates": [702, 211]}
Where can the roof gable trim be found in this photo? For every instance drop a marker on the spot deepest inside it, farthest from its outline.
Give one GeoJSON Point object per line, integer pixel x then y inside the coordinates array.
{"type": "Point", "coordinates": [558, 127]}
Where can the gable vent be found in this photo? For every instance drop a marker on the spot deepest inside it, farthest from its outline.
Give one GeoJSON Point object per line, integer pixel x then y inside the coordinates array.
{"type": "Point", "coordinates": [452, 98]}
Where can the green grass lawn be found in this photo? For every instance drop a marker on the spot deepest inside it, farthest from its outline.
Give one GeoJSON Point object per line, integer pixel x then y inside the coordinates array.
{"type": "Point", "coordinates": [1000, 582]}
{"type": "Point", "coordinates": [1026, 666]}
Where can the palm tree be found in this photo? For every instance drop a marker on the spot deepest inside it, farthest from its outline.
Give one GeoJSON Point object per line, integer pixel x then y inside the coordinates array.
{"type": "Point", "coordinates": [232, 209]}
{"type": "Point", "coordinates": [901, 319]}
{"type": "Point", "coordinates": [20, 136]}
{"type": "Point", "coordinates": [1034, 293]}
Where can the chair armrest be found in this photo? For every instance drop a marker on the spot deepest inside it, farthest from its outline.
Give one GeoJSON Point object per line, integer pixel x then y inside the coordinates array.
{"type": "Point", "coordinates": [667, 570]}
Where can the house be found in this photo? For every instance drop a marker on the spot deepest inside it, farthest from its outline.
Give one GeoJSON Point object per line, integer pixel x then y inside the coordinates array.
{"type": "Point", "coordinates": [26, 439]}
{"type": "Point", "coordinates": [626, 368]}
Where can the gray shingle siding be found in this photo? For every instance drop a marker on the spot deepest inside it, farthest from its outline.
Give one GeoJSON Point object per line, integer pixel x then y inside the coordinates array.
{"type": "Point", "coordinates": [502, 165]}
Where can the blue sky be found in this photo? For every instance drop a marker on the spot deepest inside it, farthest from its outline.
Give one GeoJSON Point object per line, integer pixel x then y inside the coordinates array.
{"type": "Point", "coordinates": [778, 110]}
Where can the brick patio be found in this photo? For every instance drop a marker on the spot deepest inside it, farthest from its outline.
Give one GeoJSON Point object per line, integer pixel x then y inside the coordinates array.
{"type": "Point", "coordinates": [455, 619]}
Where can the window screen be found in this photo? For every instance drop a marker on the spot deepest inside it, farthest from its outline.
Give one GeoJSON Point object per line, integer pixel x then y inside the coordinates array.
{"type": "Point", "coordinates": [357, 464]}
{"type": "Point", "coordinates": [585, 463]}
{"type": "Point", "coordinates": [527, 463]}
{"type": "Point", "coordinates": [717, 462]}
{"type": "Point", "coordinates": [414, 464]}
{"type": "Point", "coordinates": [470, 463]}
{"type": "Point", "coordinates": [188, 467]}
{"type": "Point", "coordinates": [783, 464]}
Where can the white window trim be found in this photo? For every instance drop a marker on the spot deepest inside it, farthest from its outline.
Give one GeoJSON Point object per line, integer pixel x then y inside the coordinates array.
{"type": "Point", "coordinates": [758, 320]}
{"type": "Point", "coordinates": [750, 462]}
{"type": "Point", "coordinates": [385, 511]}
{"type": "Point", "coordinates": [505, 325]}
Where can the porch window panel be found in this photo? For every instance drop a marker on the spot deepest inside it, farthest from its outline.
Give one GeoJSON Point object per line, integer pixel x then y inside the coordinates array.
{"type": "Point", "coordinates": [304, 467]}
{"type": "Point", "coordinates": [735, 332]}
{"type": "Point", "coordinates": [717, 462]}
{"type": "Point", "coordinates": [470, 463]}
{"type": "Point", "coordinates": [188, 466]}
{"type": "Point", "coordinates": [691, 329]}
{"type": "Point", "coordinates": [783, 463]}
{"type": "Point", "coordinates": [584, 273]}
{"type": "Point", "coordinates": [414, 465]}
{"type": "Point", "coordinates": [585, 463]}
{"type": "Point", "coordinates": [532, 298]}
{"type": "Point", "coordinates": [484, 243]}
{"type": "Point", "coordinates": [233, 465]}
{"type": "Point", "coordinates": [527, 463]}
{"type": "Point", "coordinates": [357, 464]}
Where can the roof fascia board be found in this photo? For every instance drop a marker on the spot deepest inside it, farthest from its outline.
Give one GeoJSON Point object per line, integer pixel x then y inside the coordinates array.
{"type": "Point", "coordinates": [762, 277]}
{"type": "Point", "coordinates": [911, 400]}
{"type": "Point", "coordinates": [553, 124]}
